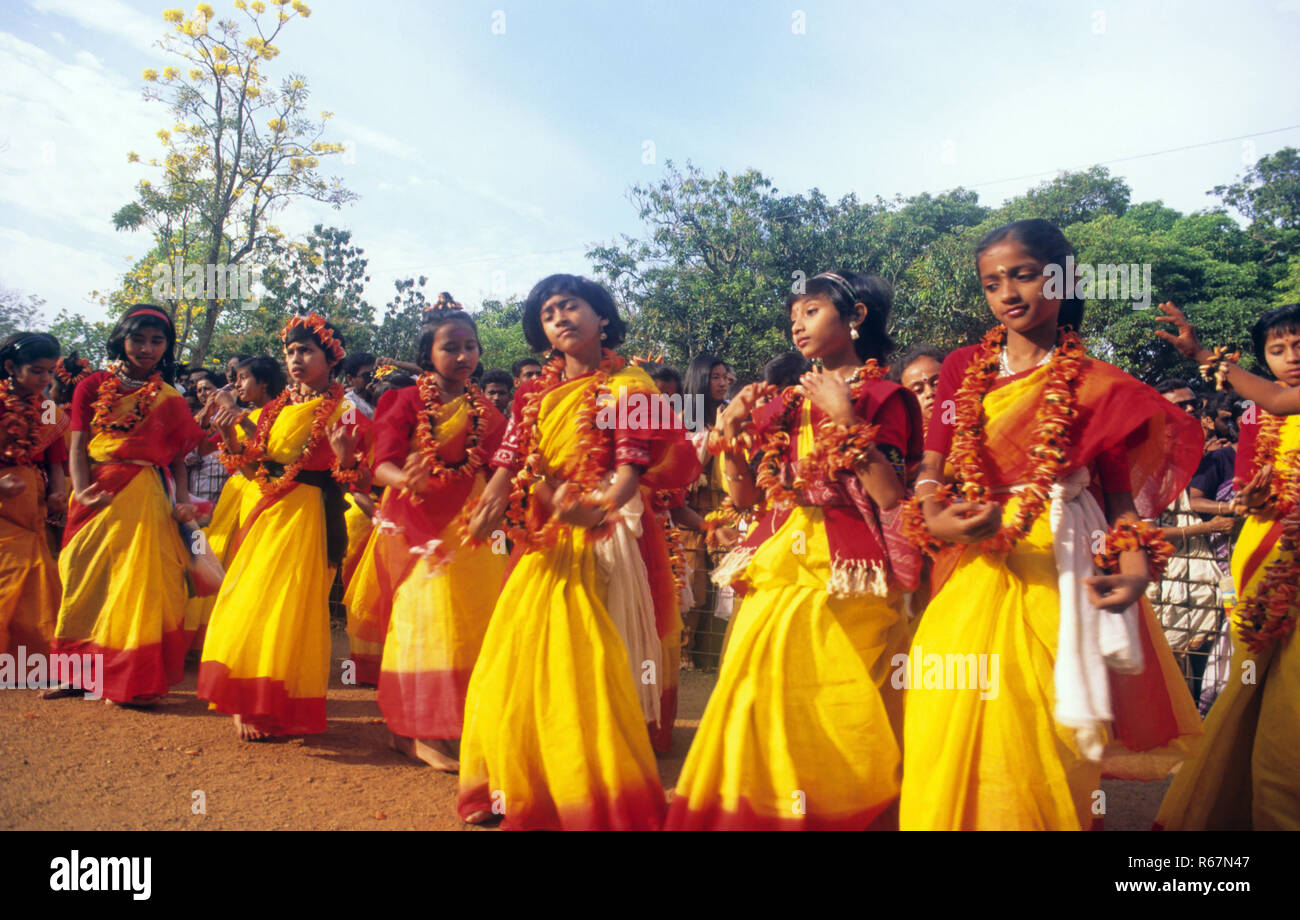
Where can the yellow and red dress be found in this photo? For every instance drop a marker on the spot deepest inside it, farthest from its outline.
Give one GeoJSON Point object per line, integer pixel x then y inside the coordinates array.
{"type": "Point", "coordinates": [267, 652]}
{"type": "Point", "coordinates": [124, 566]}
{"type": "Point", "coordinates": [220, 534]}
{"type": "Point", "coordinates": [1246, 775]}
{"type": "Point", "coordinates": [556, 716]}
{"type": "Point", "coordinates": [802, 730]}
{"type": "Point", "coordinates": [29, 577]}
{"type": "Point", "coordinates": [435, 593]}
{"type": "Point", "coordinates": [998, 756]}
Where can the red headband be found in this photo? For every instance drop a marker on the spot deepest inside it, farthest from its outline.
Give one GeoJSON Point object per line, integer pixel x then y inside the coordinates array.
{"type": "Point", "coordinates": [149, 311]}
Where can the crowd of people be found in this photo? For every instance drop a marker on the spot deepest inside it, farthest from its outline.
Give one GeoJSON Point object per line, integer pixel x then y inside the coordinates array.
{"type": "Point", "coordinates": [959, 589]}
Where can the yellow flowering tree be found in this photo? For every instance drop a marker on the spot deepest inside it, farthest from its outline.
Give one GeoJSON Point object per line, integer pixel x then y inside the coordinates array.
{"type": "Point", "coordinates": [241, 148]}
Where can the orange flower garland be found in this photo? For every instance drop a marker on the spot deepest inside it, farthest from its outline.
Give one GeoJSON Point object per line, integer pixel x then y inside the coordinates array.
{"type": "Point", "coordinates": [1050, 437]}
{"type": "Point", "coordinates": [255, 449]}
{"type": "Point", "coordinates": [476, 457]}
{"type": "Point", "coordinates": [592, 462]}
{"type": "Point", "coordinates": [1268, 614]}
{"type": "Point", "coordinates": [1281, 497]}
{"type": "Point", "coordinates": [111, 391]}
{"type": "Point", "coordinates": [315, 324]}
{"type": "Point", "coordinates": [70, 370]}
{"type": "Point", "coordinates": [21, 416]}
{"type": "Point", "coordinates": [1135, 535]}
{"type": "Point", "coordinates": [836, 447]}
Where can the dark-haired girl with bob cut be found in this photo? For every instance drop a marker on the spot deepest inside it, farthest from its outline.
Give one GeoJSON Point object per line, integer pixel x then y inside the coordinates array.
{"type": "Point", "coordinates": [802, 729]}
{"type": "Point", "coordinates": [1036, 668]}
{"type": "Point", "coordinates": [568, 677]}
{"type": "Point", "coordinates": [123, 561]}
{"type": "Point", "coordinates": [421, 599]}
{"type": "Point", "coordinates": [32, 460]}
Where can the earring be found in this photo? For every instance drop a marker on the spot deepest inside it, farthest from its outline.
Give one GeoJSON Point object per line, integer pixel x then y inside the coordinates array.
{"type": "Point", "coordinates": [853, 333]}
{"type": "Point", "coordinates": [603, 335]}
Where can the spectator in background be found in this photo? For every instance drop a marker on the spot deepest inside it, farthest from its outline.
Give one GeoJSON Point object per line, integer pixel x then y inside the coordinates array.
{"type": "Point", "coordinates": [918, 370]}
{"type": "Point", "coordinates": [1186, 599]}
{"type": "Point", "coordinates": [207, 475]}
{"type": "Point", "coordinates": [499, 387]}
{"type": "Point", "coordinates": [525, 369]}
{"type": "Point", "coordinates": [667, 379]}
{"type": "Point", "coordinates": [785, 370]}
{"type": "Point", "coordinates": [232, 369]}
{"type": "Point", "coordinates": [358, 369]}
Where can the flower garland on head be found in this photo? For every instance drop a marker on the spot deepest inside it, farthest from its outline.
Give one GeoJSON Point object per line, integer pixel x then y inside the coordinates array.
{"type": "Point", "coordinates": [1049, 436]}
{"type": "Point", "coordinates": [70, 370]}
{"type": "Point", "coordinates": [315, 323]}
{"type": "Point", "coordinates": [836, 447]}
{"type": "Point", "coordinates": [20, 416]}
{"type": "Point", "coordinates": [476, 457]}
{"type": "Point", "coordinates": [590, 469]}
{"type": "Point", "coordinates": [111, 390]}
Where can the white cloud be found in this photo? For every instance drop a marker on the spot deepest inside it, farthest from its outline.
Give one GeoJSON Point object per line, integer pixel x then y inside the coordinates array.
{"type": "Point", "coordinates": [111, 16]}
{"type": "Point", "coordinates": [62, 274]}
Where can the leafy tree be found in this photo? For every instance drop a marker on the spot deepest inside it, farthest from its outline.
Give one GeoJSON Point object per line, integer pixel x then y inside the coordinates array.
{"type": "Point", "coordinates": [399, 332]}
{"type": "Point", "coordinates": [1268, 195]}
{"type": "Point", "coordinates": [239, 150]}
{"type": "Point", "coordinates": [501, 333]}
{"type": "Point", "coordinates": [19, 312]}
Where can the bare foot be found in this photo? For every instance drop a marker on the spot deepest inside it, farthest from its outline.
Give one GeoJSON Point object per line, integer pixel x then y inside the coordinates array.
{"type": "Point", "coordinates": [61, 692]}
{"type": "Point", "coordinates": [139, 702]}
{"type": "Point", "coordinates": [401, 744]}
{"type": "Point", "coordinates": [436, 752]}
{"type": "Point", "coordinates": [480, 817]}
{"type": "Point", "coordinates": [247, 732]}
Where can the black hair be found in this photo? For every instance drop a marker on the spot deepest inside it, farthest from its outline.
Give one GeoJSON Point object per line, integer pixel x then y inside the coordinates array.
{"type": "Point", "coordinates": [1284, 320]}
{"type": "Point", "coordinates": [306, 334]}
{"type": "Point", "coordinates": [1047, 244]}
{"type": "Point", "coordinates": [874, 292]}
{"type": "Point", "coordinates": [357, 360]}
{"type": "Point", "coordinates": [575, 286]}
{"type": "Point", "coordinates": [238, 359]}
{"type": "Point", "coordinates": [433, 321]}
{"type": "Point", "coordinates": [25, 347]}
{"type": "Point", "coordinates": [211, 377]}
{"type": "Point", "coordinates": [144, 316]}
{"type": "Point", "coordinates": [785, 370]}
{"type": "Point", "coordinates": [1222, 402]}
{"type": "Point", "coordinates": [660, 373]}
{"type": "Point", "coordinates": [266, 371]}
{"type": "Point", "coordinates": [919, 350]}
{"type": "Point", "coordinates": [393, 381]}
{"type": "Point", "coordinates": [498, 376]}
{"type": "Point", "coordinates": [522, 363]}
{"type": "Point", "coordinates": [1169, 384]}
{"type": "Point", "coordinates": [697, 383]}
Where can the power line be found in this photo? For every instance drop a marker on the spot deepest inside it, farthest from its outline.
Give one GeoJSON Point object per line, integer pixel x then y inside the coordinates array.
{"type": "Point", "coordinates": [1136, 156]}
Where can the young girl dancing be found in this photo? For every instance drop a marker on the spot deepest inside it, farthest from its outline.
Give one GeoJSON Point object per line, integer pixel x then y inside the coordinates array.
{"type": "Point", "coordinates": [123, 561]}
{"type": "Point", "coordinates": [1024, 657]}
{"type": "Point", "coordinates": [433, 442]}
{"type": "Point", "coordinates": [266, 657]}
{"type": "Point", "coordinates": [555, 719]}
{"type": "Point", "coordinates": [1247, 772]}
{"type": "Point", "coordinates": [257, 381]}
{"type": "Point", "coordinates": [802, 730]}
{"type": "Point", "coordinates": [32, 460]}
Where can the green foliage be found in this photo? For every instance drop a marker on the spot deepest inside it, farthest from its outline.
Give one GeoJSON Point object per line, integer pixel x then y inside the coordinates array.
{"type": "Point", "coordinates": [501, 333]}
{"type": "Point", "coordinates": [19, 312]}
{"type": "Point", "coordinates": [399, 333]}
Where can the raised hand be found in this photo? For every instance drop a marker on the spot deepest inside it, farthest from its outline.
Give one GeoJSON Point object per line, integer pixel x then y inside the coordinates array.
{"type": "Point", "coordinates": [343, 439]}
{"type": "Point", "coordinates": [734, 415]}
{"type": "Point", "coordinates": [1184, 339]}
{"type": "Point", "coordinates": [1254, 493]}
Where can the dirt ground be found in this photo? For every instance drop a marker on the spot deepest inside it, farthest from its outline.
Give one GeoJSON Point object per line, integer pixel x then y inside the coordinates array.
{"type": "Point", "coordinates": [77, 764]}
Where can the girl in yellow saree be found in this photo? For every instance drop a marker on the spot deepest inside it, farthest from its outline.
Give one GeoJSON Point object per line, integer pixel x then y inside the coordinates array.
{"type": "Point", "coordinates": [556, 714]}
{"type": "Point", "coordinates": [32, 459]}
{"type": "Point", "coordinates": [123, 562]}
{"type": "Point", "coordinates": [1029, 675]}
{"type": "Point", "coordinates": [266, 657]}
{"type": "Point", "coordinates": [802, 730]}
{"type": "Point", "coordinates": [1247, 773]}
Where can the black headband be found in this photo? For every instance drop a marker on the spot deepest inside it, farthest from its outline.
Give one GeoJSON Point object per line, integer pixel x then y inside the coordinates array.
{"type": "Point", "coordinates": [842, 283]}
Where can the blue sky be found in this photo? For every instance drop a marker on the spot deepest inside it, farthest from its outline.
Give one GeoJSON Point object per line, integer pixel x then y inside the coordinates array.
{"type": "Point", "coordinates": [486, 160]}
